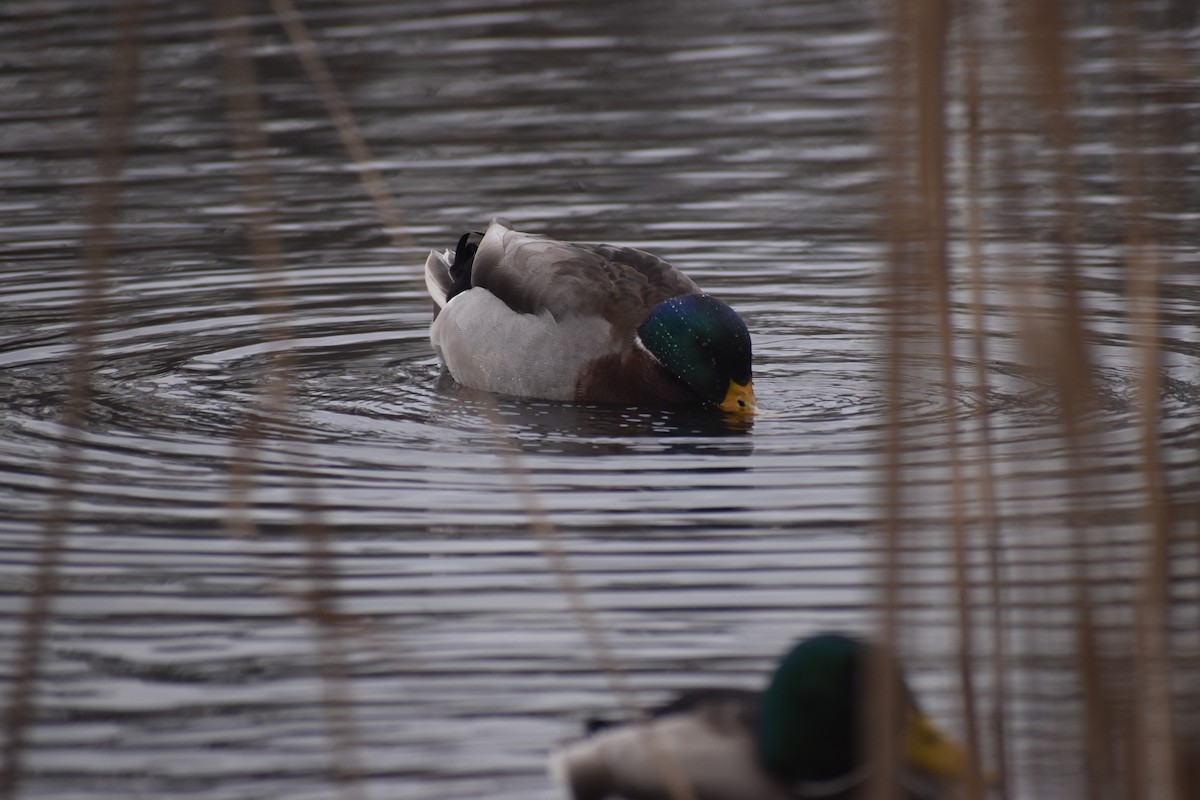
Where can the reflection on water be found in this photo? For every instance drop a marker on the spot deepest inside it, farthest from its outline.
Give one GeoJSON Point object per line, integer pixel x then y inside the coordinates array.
{"type": "Point", "coordinates": [735, 140]}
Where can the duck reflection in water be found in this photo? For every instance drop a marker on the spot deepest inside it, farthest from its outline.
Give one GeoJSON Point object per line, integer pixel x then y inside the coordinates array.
{"type": "Point", "coordinates": [543, 427]}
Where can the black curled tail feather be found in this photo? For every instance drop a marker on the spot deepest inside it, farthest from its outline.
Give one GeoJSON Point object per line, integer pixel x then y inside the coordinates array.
{"type": "Point", "coordinates": [464, 258]}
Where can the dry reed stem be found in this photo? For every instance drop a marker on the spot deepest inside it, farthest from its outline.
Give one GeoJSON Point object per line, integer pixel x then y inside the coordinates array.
{"type": "Point", "coordinates": [267, 251]}
{"type": "Point", "coordinates": [585, 618]}
{"type": "Point", "coordinates": [1156, 755]}
{"type": "Point", "coordinates": [933, 21]}
{"type": "Point", "coordinates": [556, 558]}
{"type": "Point", "coordinates": [881, 746]}
{"type": "Point", "coordinates": [100, 214]}
{"type": "Point", "coordinates": [1048, 51]}
{"type": "Point", "coordinates": [343, 119]}
{"type": "Point", "coordinates": [985, 473]}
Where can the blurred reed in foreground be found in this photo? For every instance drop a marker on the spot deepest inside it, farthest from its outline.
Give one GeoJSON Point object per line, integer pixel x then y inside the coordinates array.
{"type": "Point", "coordinates": [89, 317]}
{"type": "Point", "coordinates": [984, 225]}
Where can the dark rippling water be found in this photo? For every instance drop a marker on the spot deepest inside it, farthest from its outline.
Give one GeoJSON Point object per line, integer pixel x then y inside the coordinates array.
{"type": "Point", "coordinates": [737, 140]}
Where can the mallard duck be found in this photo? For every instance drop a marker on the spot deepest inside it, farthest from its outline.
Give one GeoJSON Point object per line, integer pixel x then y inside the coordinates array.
{"type": "Point", "coordinates": [524, 315]}
{"type": "Point", "coordinates": [799, 738]}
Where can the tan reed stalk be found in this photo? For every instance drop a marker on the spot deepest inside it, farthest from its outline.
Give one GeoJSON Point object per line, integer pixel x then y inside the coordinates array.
{"type": "Point", "coordinates": [1156, 754]}
{"type": "Point", "coordinates": [919, 277]}
{"type": "Point", "coordinates": [540, 524]}
{"type": "Point", "coordinates": [101, 210]}
{"type": "Point", "coordinates": [559, 563]}
{"type": "Point", "coordinates": [985, 474]}
{"type": "Point", "coordinates": [343, 119]}
{"type": "Point", "coordinates": [1048, 52]}
{"type": "Point", "coordinates": [320, 606]}
{"type": "Point", "coordinates": [898, 292]}
{"type": "Point", "coordinates": [930, 44]}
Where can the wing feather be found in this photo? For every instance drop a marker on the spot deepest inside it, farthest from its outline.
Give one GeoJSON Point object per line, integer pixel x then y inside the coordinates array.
{"type": "Point", "coordinates": [533, 274]}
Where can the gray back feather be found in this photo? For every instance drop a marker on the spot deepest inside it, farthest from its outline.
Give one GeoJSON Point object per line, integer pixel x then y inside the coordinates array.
{"type": "Point", "coordinates": [533, 274]}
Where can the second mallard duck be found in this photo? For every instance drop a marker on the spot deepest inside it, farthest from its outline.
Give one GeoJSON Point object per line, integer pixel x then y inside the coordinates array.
{"type": "Point", "coordinates": [524, 315]}
{"type": "Point", "coordinates": [802, 737]}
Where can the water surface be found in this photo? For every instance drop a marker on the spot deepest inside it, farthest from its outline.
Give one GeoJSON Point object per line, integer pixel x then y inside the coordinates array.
{"type": "Point", "coordinates": [736, 140]}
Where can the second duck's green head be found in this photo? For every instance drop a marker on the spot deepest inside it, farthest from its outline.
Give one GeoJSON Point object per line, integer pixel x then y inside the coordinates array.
{"type": "Point", "coordinates": [704, 343]}
{"type": "Point", "coordinates": [810, 722]}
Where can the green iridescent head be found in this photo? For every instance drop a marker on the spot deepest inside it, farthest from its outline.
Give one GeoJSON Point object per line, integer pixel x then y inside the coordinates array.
{"type": "Point", "coordinates": [704, 343]}
{"type": "Point", "coordinates": [811, 716]}
{"type": "Point", "coordinates": [808, 716]}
